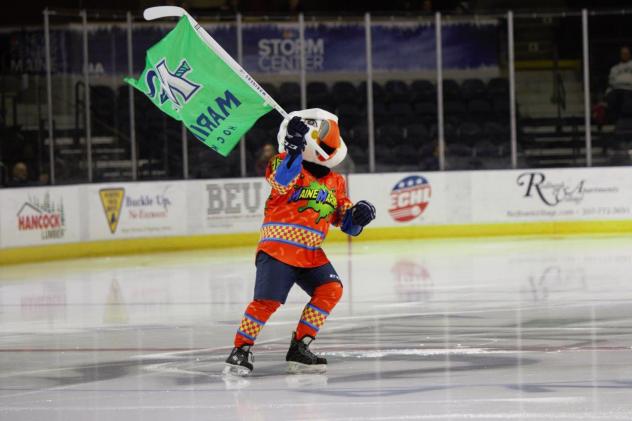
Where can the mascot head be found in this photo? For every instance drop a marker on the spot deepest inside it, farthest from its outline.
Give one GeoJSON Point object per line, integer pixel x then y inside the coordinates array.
{"type": "Point", "coordinates": [323, 128]}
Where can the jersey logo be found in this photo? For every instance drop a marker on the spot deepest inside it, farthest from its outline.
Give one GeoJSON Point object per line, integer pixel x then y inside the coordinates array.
{"type": "Point", "coordinates": [319, 199]}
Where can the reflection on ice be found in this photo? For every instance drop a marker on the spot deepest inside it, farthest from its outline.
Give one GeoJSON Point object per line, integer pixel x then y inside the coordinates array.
{"type": "Point", "coordinates": [463, 329]}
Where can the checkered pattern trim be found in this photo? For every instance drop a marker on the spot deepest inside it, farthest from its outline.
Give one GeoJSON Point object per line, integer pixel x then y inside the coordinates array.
{"type": "Point", "coordinates": [341, 211]}
{"type": "Point", "coordinates": [280, 187]}
{"type": "Point", "coordinates": [250, 327]}
{"type": "Point", "coordinates": [292, 234]}
{"type": "Point", "coordinates": [314, 317]}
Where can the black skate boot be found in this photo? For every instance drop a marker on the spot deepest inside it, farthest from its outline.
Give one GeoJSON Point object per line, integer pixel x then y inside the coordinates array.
{"type": "Point", "coordinates": [301, 360]}
{"type": "Point", "coordinates": [239, 362]}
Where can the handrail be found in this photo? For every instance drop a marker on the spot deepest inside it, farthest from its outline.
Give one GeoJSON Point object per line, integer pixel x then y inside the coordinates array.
{"type": "Point", "coordinates": [267, 17]}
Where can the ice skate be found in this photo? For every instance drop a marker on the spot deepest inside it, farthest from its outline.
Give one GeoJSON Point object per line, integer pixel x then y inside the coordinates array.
{"type": "Point", "coordinates": [239, 362]}
{"type": "Point", "coordinates": [301, 360]}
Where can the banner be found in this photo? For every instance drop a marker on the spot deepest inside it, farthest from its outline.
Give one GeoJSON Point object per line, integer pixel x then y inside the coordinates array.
{"type": "Point", "coordinates": [136, 210]}
{"type": "Point", "coordinates": [551, 195]}
{"type": "Point", "coordinates": [39, 216]}
{"type": "Point", "coordinates": [235, 205]}
{"type": "Point", "coordinates": [271, 48]}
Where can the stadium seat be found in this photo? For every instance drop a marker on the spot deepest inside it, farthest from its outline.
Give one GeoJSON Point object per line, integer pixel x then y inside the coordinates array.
{"type": "Point", "coordinates": [350, 115]}
{"type": "Point", "coordinates": [426, 112]}
{"type": "Point", "coordinates": [498, 87]}
{"type": "Point", "coordinates": [378, 92]}
{"type": "Point", "coordinates": [623, 130]}
{"type": "Point", "coordinates": [501, 108]}
{"type": "Point", "coordinates": [318, 96]}
{"type": "Point", "coordinates": [360, 134]}
{"type": "Point", "coordinates": [473, 89]}
{"type": "Point", "coordinates": [270, 89]}
{"type": "Point", "coordinates": [406, 154]}
{"type": "Point", "coordinates": [496, 133]}
{"type": "Point", "coordinates": [344, 92]}
{"type": "Point", "coordinates": [450, 132]}
{"type": "Point", "coordinates": [423, 91]}
{"type": "Point", "coordinates": [358, 154]}
{"type": "Point", "coordinates": [479, 110]}
{"type": "Point", "coordinates": [289, 93]}
{"type": "Point", "coordinates": [380, 114]}
{"type": "Point", "coordinates": [429, 163]}
{"type": "Point", "coordinates": [626, 107]}
{"type": "Point", "coordinates": [256, 137]}
{"type": "Point", "coordinates": [454, 109]}
{"type": "Point", "coordinates": [390, 135]}
{"type": "Point", "coordinates": [451, 90]}
{"type": "Point", "coordinates": [396, 91]}
{"type": "Point", "coordinates": [400, 113]}
{"type": "Point", "coordinates": [103, 108]}
{"type": "Point", "coordinates": [428, 150]}
{"type": "Point", "coordinates": [470, 133]}
{"type": "Point", "coordinates": [485, 148]}
{"type": "Point", "coordinates": [385, 155]}
{"type": "Point", "coordinates": [417, 134]}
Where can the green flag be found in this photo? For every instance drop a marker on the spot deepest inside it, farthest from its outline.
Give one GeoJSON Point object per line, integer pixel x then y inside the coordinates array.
{"type": "Point", "coordinates": [191, 83]}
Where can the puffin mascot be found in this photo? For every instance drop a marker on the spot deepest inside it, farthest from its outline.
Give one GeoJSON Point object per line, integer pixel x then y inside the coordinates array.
{"type": "Point", "coordinates": [307, 197]}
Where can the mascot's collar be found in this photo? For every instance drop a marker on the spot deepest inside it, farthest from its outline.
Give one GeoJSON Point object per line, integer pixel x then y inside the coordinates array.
{"type": "Point", "coordinates": [316, 170]}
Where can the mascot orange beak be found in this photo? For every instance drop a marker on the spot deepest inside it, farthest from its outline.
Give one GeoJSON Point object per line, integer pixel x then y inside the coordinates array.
{"type": "Point", "coordinates": [329, 138]}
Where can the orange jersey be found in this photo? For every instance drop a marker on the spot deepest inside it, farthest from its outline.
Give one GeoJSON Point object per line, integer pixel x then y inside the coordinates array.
{"type": "Point", "coordinates": [297, 215]}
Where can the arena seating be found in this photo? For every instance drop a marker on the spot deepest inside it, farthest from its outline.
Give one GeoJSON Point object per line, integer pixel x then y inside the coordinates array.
{"type": "Point", "coordinates": [405, 116]}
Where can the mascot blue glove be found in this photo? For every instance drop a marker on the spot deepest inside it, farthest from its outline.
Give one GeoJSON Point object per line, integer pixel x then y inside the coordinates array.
{"type": "Point", "coordinates": [356, 218]}
{"type": "Point", "coordinates": [295, 139]}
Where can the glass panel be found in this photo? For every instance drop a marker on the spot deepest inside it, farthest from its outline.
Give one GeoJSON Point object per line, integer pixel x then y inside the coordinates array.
{"type": "Point", "coordinates": [475, 93]}
{"type": "Point", "coordinates": [69, 99]}
{"type": "Point", "coordinates": [611, 88]}
{"type": "Point", "coordinates": [549, 91]}
{"type": "Point", "coordinates": [109, 100]}
{"type": "Point", "coordinates": [23, 108]}
{"type": "Point", "coordinates": [271, 54]}
{"type": "Point", "coordinates": [404, 94]}
{"type": "Point", "coordinates": [336, 71]}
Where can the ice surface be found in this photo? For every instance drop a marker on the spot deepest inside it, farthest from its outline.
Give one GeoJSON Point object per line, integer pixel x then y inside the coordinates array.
{"type": "Point", "coordinates": [494, 329]}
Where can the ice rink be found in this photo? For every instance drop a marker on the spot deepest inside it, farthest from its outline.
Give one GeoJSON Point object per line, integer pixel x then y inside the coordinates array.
{"type": "Point", "coordinates": [489, 329]}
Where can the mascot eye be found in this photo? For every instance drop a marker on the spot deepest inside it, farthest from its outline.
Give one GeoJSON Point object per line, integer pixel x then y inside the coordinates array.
{"type": "Point", "coordinates": [311, 122]}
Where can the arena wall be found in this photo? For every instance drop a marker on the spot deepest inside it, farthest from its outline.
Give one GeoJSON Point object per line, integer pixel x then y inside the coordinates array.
{"type": "Point", "coordinates": [45, 223]}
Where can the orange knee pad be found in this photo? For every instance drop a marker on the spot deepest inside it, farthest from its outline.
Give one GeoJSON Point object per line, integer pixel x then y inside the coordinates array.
{"type": "Point", "coordinates": [323, 301]}
{"type": "Point", "coordinates": [328, 295]}
{"type": "Point", "coordinates": [257, 314]}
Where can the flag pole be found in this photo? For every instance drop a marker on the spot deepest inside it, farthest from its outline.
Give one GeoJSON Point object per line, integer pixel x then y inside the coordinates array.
{"type": "Point", "coordinates": [158, 12]}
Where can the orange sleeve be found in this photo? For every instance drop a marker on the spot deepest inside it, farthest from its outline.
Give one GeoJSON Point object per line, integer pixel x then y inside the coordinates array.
{"type": "Point", "coordinates": [273, 164]}
{"type": "Point", "coordinates": [344, 203]}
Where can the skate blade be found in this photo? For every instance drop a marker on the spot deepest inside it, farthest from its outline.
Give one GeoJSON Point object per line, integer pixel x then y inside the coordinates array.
{"type": "Point", "coordinates": [235, 370]}
{"type": "Point", "coordinates": [298, 368]}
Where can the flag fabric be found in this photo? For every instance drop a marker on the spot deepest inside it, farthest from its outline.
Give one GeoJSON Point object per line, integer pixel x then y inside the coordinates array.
{"type": "Point", "coordinates": [188, 81]}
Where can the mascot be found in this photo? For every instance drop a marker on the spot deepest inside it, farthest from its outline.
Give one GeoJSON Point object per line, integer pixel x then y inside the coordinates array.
{"type": "Point", "coordinates": [307, 197]}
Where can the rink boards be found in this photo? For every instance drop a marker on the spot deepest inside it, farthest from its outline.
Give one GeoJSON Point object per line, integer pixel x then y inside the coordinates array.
{"type": "Point", "coordinates": [70, 221]}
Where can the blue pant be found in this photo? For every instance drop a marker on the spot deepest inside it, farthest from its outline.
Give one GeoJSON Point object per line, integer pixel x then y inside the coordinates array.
{"type": "Point", "coordinates": [275, 279]}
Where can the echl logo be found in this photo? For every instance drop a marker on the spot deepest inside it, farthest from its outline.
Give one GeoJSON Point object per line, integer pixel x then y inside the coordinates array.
{"type": "Point", "coordinates": [409, 198]}
{"type": "Point", "coordinates": [173, 86]}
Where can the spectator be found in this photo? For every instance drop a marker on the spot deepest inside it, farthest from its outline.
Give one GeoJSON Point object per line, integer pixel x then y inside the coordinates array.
{"type": "Point", "coordinates": [267, 152]}
{"type": "Point", "coordinates": [19, 175]}
{"type": "Point", "coordinates": [4, 175]}
{"type": "Point", "coordinates": [619, 83]}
